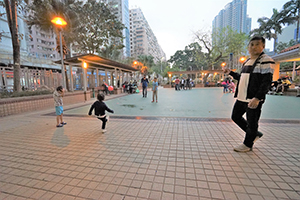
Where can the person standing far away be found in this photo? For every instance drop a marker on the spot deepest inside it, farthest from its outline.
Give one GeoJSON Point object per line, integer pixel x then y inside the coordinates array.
{"type": "Point", "coordinates": [154, 89]}
{"type": "Point", "coordinates": [177, 82]}
{"type": "Point", "coordinates": [100, 107]}
{"type": "Point", "coordinates": [58, 103]}
{"type": "Point", "coordinates": [252, 86]}
{"type": "Point", "coordinates": [145, 83]}
{"type": "Point", "coordinates": [182, 83]}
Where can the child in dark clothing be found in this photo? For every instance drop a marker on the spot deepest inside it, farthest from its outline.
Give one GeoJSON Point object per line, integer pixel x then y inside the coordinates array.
{"type": "Point", "coordinates": [100, 108]}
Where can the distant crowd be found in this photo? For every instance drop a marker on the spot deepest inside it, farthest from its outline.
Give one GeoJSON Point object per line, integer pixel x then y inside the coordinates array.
{"type": "Point", "coordinates": [183, 84]}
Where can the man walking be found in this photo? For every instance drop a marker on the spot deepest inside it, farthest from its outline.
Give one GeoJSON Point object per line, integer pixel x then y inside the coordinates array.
{"type": "Point", "coordinates": [145, 83]}
{"type": "Point", "coordinates": [253, 85]}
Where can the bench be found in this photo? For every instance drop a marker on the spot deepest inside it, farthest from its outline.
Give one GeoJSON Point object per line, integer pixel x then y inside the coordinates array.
{"type": "Point", "coordinates": [290, 92]}
{"type": "Point", "coordinates": [210, 84]}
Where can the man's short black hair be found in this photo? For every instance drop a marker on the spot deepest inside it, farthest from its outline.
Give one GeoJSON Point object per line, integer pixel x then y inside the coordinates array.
{"type": "Point", "coordinates": [258, 37]}
{"type": "Point", "coordinates": [100, 97]}
{"type": "Point", "coordinates": [59, 88]}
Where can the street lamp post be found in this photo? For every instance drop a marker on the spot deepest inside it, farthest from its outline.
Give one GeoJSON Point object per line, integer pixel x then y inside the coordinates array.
{"type": "Point", "coordinates": [60, 22]}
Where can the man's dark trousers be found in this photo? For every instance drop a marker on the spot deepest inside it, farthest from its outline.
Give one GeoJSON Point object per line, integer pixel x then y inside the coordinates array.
{"type": "Point", "coordinates": [251, 125]}
{"type": "Point", "coordinates": [144, 91]}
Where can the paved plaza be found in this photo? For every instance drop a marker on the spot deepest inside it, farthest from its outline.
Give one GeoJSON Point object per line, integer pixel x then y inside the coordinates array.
{"type": "Point", "coordinates": [180, 148]}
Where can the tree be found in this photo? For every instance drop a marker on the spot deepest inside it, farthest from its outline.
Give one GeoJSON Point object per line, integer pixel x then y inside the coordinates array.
{"type": "Point", "coordinates": [211, 54]}
{"type": "Point", "coordinates": [12, 20]}
{"type": "Point", "coordinates": [283, 45]}
{"type": "Point", "coordinates": [147, 60]}
{"type": "Point", "coordinates": [41, 12]}
{"type": "Point", "coordinates": [111, 52]}
{"type": "Point", "coordinates": [227, 40]}
{"type": "Point", "coordinates": [271, 27]}
{"type": "Point", "coordinates": [99, 28]}
{"type": "Point", "coordinates": [290, 12]}
{"type": "Point", "coordinates": [191, 57]}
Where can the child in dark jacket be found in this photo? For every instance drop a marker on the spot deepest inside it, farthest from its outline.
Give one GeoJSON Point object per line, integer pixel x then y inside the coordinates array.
{"type": "Point", "coordinates": [100, 108]}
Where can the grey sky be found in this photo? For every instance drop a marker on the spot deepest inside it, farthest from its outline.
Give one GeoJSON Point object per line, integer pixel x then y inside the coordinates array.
{"type": "Point", "coordinates": [173, 22]}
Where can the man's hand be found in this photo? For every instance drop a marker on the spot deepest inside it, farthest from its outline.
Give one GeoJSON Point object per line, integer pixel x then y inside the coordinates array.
{"type": "Point", "coordinates": [253, 103]}
{"type": "Point", "coordinates": [226, 70]}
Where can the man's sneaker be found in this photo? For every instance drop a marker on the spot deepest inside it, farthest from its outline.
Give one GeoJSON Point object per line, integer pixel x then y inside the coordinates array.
{"type": "Point", "coordinates": [103, 130]}
{"type": "Point", "coordinates": [242, 148]}
{"type": "Point", "coordinates": [258, 136]}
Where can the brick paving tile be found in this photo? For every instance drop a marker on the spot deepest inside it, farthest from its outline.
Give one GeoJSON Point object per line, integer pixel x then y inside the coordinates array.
{"type": "Point", "coordinates": [155, 158]}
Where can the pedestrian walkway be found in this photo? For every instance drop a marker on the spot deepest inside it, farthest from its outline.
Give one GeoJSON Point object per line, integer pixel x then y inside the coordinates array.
{"type": "Point", "coordinates": [152, 151]}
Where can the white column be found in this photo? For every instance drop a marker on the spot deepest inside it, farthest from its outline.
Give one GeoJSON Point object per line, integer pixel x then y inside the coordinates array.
{"type": "Point", "coordinates": [97, 76]}
{"type": "Point", "coordinates": [106, 78]}
{"type": "Point", "coordinates": [121, 78]}
{"type": "Point", "coordinates": [116, 75]}
{"type": "Point", "coordinates": [294, 71]}
{"type": "Point", "coordinates": [84, 79]}
{"type": "Point", "coordinates": [71, 78]}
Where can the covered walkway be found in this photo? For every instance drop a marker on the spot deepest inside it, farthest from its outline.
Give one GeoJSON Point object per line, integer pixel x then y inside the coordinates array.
{"type": "Point", "coordinates": [291, 54]}
{"type": "Point", "coordinates": [91, 71]}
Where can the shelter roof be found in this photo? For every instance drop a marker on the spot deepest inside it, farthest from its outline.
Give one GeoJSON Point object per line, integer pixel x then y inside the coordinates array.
{"type": "Point", "coordinates": [288, 55]}
{"type": "Point", "coordinates": [97, 61]}
{"type": "Point", "coordinates": [290, 48]}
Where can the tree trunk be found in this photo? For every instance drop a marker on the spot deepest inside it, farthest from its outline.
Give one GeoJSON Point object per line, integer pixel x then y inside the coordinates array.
{"type": "Point", "coordinates": [274, 46]}
{"type": "Point", "coordinates": [11, 13]}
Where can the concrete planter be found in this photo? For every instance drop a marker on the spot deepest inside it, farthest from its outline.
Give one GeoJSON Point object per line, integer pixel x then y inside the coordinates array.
{"type": "Point", "coordinates": [18, 105]}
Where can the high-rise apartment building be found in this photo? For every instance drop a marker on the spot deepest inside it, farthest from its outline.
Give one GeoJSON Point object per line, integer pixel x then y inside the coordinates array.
{"type": "Point", "coordinates": [121, 10]}
{"type": "Point", "coordinates": [42, 44]}
{"type": "Point", "coordinates": [142, 38]}
{"type": "Point", "coordinates": [288, 33]}
{"type": "Point", "coordinates": [234, 15]}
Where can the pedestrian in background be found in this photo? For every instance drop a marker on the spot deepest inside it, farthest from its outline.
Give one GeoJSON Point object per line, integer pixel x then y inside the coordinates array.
{"type": "Point", "coordinates": [100, 107]}
{"type": "Point", "coordinates": [253, 85]}
{"type": "Point", "coordinates": [177, 82]}
{"type": "Point", "coordinates": [58, 103]}
{"type": "Point", "coordinates": [154, 89]}
{"type": "Point", "coordinates": [145, 83]}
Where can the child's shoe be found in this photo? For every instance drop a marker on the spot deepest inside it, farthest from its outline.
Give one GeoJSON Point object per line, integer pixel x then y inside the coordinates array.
{"type": "Point", "coordinates": [103, 130]}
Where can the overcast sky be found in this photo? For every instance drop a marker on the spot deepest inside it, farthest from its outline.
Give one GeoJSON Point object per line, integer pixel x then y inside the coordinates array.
{"type": "Point", "coordinates": [173, 22]}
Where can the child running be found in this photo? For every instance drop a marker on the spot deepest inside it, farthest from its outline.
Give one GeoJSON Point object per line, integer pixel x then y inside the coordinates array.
{"type": "Point", "coordinates": [100, 108]}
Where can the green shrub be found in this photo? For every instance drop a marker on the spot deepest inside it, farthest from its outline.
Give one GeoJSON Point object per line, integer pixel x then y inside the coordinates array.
{"type": "Point", "coordinates": [7, 94]}
{"type": "Point", "coordinates": [297, 80]}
